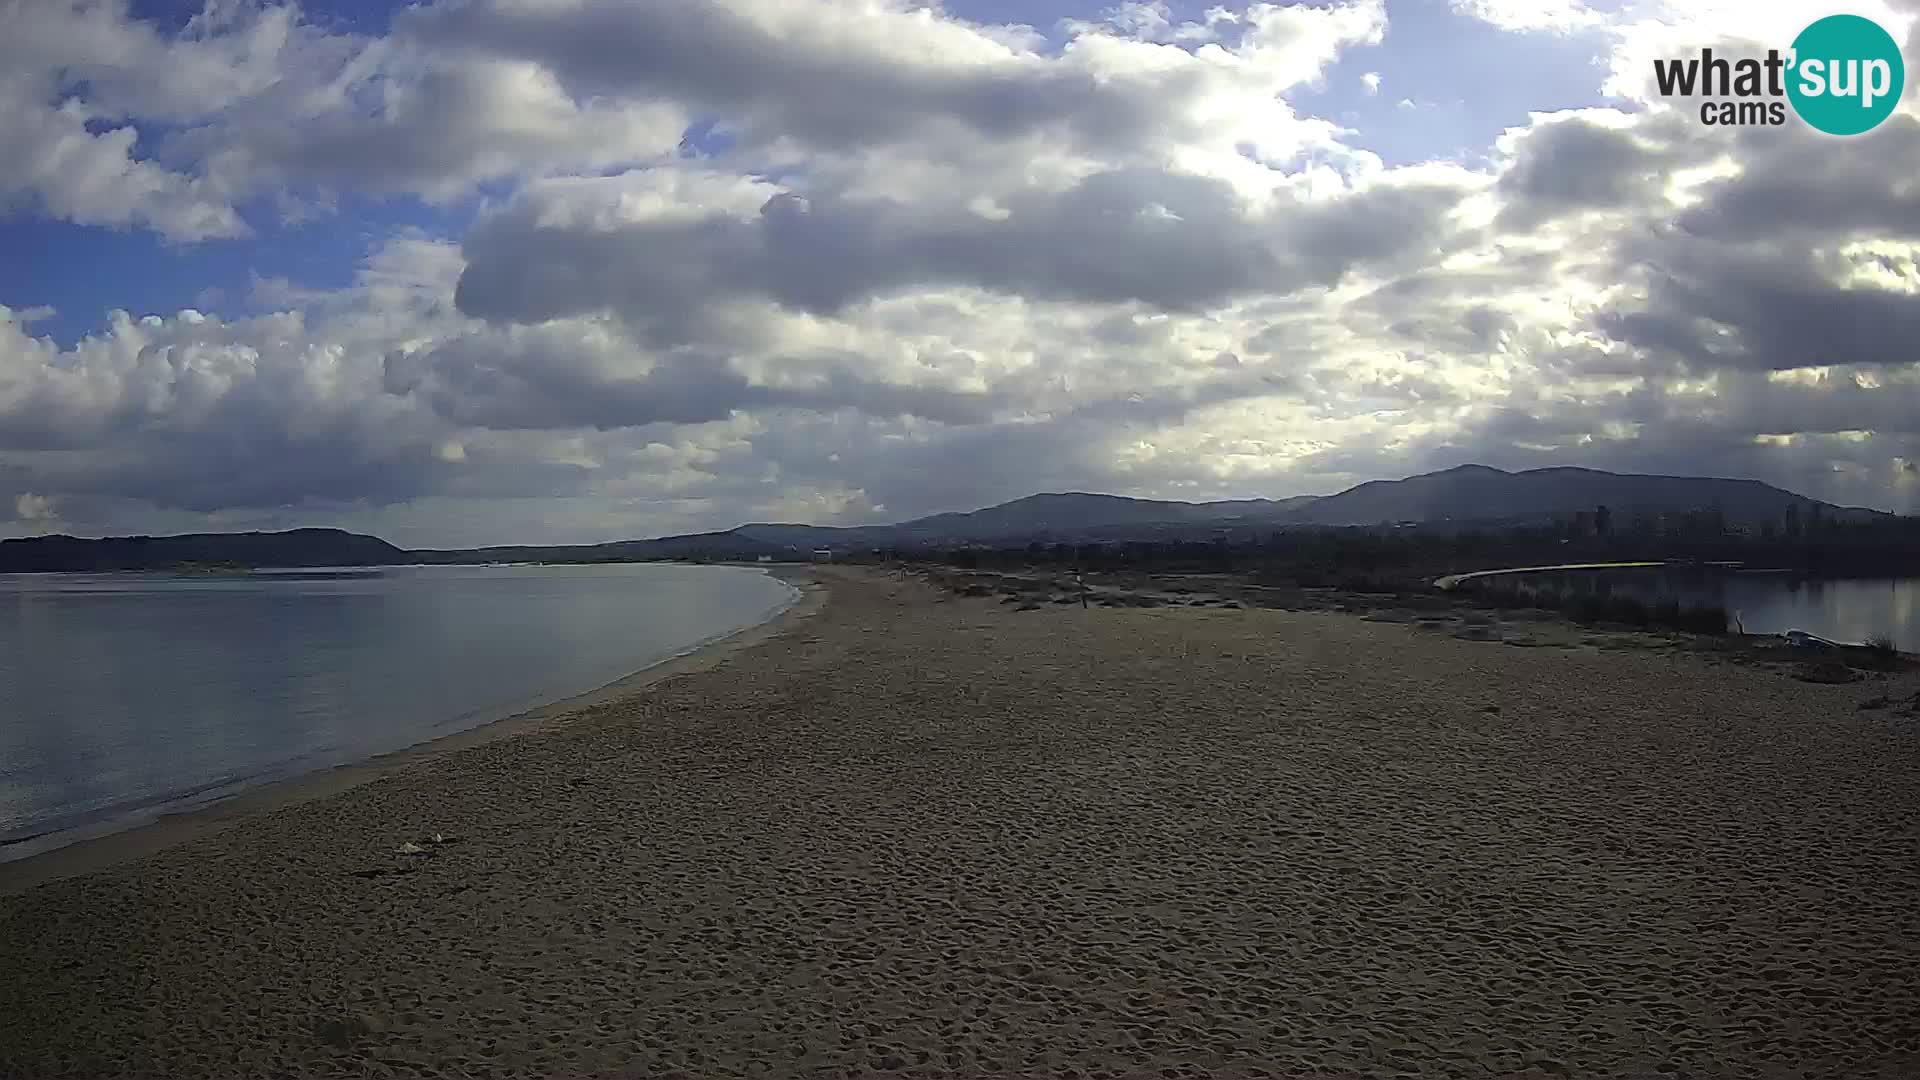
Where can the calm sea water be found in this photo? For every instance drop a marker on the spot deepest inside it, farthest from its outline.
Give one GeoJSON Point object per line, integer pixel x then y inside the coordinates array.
{"type": "Point", "coordinates": [1837, 610]}
{"type": "Point", "coordinates": [122, 695]}
{"type": "Point", "coordinates": [1851, 611]}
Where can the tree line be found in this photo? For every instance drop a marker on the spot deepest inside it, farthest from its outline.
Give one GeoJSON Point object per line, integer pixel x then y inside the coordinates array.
{"type": "Point", "coordinates": [1382, 557]}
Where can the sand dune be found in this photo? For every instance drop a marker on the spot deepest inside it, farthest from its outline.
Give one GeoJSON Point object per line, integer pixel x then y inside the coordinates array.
{"type": "Point", "coordinates": [936, 837]}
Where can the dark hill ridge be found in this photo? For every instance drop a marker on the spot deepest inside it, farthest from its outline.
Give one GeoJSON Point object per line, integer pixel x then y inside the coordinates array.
{"type": "Point", "coordinates": [1467, 494]}
{"type": "Point", "coordinates": [300, 547]}
{"type": "Point", "coordinates": [1079, 513]}
{"type": "Point", "coordinates": [1470, 493]}
{"type": "Point", "coordinates": [1480, 493]}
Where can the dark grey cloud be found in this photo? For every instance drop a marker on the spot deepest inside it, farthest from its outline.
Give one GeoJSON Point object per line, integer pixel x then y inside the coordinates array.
{"type": "Point", "coordinates": [1755, 308]}
{"type": "Point", "coordinates": [438, 131]}
{"type": "Point", "coordinates": [1577, 164]}
{"type": "Point", "coordinates": [492, 383]}
{"type": "Point", "coordinates": [1749, 274]}
{"type": "Point", "coordinates": [990, 271]}
{"type": "Point", "coordinates": [558, 377]}
{"type": "Point", "coordinates": [243, 459]}
{"type": "Point", "coordinates": [1794, 180]}
{"type": "Point", "coordinates": [1176, 240]}
{"type": "Point", "coordinates": [1753, 275]}
{"type": "Point", "coordinates": [799, 74]}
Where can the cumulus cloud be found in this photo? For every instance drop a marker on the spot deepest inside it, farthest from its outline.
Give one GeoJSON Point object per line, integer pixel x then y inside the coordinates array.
{"type": "Point", "coordinates": [404, 122]}
{"type": "Point", "coordinates": [1171, 239]}
{"type": "Point", "coordinates": [841, 261]}
{"type": "Point", "coordinates": [1559, 16]}
{"type": "Point", "coordinates": [1597, 161]}
{"type": "Point", "coordinates": [56, 165]}
{"type": "Point", "coordinates": [834, 75]}
{"type": "Point", "coordinates": [77, 78]}
{"type": "Point", "coordinates": [36, 512]}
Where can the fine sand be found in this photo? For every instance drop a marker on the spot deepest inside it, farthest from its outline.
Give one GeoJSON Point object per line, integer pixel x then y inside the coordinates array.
{"type": "Point", "coordinates": [921, 835]}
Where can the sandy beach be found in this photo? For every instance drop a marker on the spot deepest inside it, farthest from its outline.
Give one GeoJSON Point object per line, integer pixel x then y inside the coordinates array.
{"type": "Point", "coordinates": [905, 833]}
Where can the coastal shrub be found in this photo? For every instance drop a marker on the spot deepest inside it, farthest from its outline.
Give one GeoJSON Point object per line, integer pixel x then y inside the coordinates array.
{"type": "Point", "coordinates": [1591, 608]}
{"type": "Point", "coordinates": [1632, 611]}
{"type": "Point", "coordinates": [1586, 609]}
{"type": "Point", "coordinates": [1878, 654]}
{"type": "Point", "coordinates": [1703, 620]}
{"type": "Point", "coordinates": [1667, 614]}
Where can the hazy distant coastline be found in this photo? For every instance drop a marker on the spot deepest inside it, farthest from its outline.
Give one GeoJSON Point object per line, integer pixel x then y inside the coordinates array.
{"type": "Point", "coordinates": [1468, 497]}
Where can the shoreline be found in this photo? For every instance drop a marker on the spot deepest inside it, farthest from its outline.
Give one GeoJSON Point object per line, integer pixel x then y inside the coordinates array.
{"type": "Point", "coordinates": [88, 854]}
{"type": "Point", "coordinates": [933, 835]}
{"type": "Point", "coordinates": [1462, 613]}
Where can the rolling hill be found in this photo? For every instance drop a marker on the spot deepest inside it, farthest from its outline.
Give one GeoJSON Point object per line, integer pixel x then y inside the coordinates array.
{"type": "Point", "coordinates": [1469, 494]}
{"type": "Point", "coordinates": [1473, 493]}
{"type": "Point", "coordinates": [299, 547]}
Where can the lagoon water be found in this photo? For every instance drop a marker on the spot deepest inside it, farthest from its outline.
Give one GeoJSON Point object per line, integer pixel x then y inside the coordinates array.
{"type": "Point", "coordinates": [1850, 610]}
{"type": "Point", "coordinates": [123, 695]}
{"type": "Point", "coordinates": [1838, 610]}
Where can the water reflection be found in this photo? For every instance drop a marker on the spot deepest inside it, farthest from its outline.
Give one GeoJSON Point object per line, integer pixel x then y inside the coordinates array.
{"type": "Point", "coordinates": [122, 691]}
{"type": "Point", "coordinates": [1759, 603]}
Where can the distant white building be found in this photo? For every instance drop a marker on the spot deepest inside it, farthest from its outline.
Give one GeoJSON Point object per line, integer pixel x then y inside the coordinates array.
{"type": "Point", "coordinates": [822, 554]}
{"type": "Point", "coordinates": [766, 558]}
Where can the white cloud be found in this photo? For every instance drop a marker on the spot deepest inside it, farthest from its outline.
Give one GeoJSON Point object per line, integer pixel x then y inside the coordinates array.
{"type": "Point", "coordinates": [1557, 16]}
{"type": "Point", "coordinates": [34, 508]}
{"type": "Point", "coordinates": [26, 315]}
{"type": "Point", "coordinates": [79, 78]}
{"type": "Point", "coordinates": [252, 101]}
{"type": "Point", "coordinates": [920, 265]}
{"type": "Point", "coordinates": [54, 165]}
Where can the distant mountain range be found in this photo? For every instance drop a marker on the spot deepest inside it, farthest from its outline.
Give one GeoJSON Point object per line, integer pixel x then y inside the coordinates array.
{"type": "Point", "coordinates": [300, 547]}
{"type": "Point", "coordinates": [1478, 493]}
{"type": "Point", "coordinates": [1470, 494]}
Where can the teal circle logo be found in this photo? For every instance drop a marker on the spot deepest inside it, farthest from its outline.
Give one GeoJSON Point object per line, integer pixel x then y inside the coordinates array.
{"type": "Point", "coordinates": [1846, 75]}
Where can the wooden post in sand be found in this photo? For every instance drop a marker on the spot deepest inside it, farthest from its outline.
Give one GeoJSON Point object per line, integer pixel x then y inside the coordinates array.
{"type": "Point", "coordinates": [1080, 579]}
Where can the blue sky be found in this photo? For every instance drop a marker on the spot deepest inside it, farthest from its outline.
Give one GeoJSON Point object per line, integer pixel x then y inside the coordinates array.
{"type": "Point", "coordinates": [485, 271]}
{"type": "Point", "coordinates": [1457, 106]}
{"type": "Point", "coordinates": [82, 271]}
